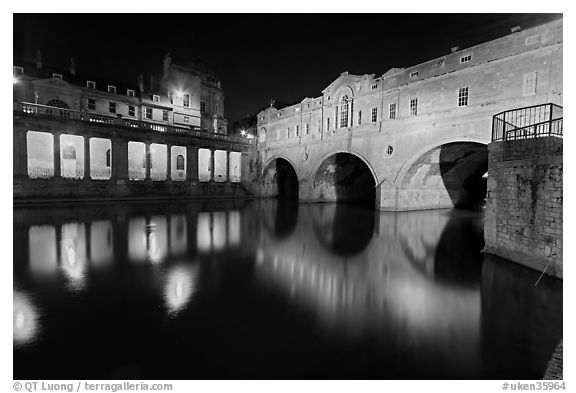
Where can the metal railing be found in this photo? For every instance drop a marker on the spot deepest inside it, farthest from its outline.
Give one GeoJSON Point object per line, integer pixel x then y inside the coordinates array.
{"type": "Point", "coordinates": [529, 122]}
{"type": "Point", "coordinates": [70, 114]}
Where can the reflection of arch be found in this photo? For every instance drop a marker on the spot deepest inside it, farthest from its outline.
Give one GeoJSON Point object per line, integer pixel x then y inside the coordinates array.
{"type": "Point", "coordinates": [343, 176]}
{"type": "Point", "coordinates": [345, 230]}
{"type": "Point", "coordinates": [280, 217]}
{"type": "Point", "coordinates": [57, 103]}
{"type": "Point", "coordinates": [453, 171]}
{"type": "Point", "coordinates": [180, 162]}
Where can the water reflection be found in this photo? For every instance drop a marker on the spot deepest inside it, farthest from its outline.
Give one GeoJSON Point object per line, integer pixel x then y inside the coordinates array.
{"type": "Point", "coordinates": [25, 319]}
{"type": "Point", "coordinates": [285, 289]}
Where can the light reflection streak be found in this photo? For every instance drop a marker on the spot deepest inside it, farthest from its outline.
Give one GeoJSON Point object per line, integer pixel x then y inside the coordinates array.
{"type": "Point", "coordinates": [25, 319]}
{"type": "Point", "coordinates": [181, 282]}
{"type": "Point", "coordinates": [73, 254]}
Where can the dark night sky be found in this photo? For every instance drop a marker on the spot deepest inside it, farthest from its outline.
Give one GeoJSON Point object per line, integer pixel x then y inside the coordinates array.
{"type": "Point", "coordinates": [257, 56]}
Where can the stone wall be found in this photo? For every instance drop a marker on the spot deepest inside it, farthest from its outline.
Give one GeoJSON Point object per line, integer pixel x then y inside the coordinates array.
{"type": "Point", "coordinates": [523, 220]}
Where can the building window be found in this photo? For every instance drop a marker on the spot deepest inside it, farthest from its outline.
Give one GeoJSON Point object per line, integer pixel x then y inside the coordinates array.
{"type": "Point", "coordinates": [533, 39]}
{"type": "Point", "coordinates": [413, 106]}
{"type": "Point", "coordinates": [91, 104]}
{"type": "Point", "coordinates": [344, 106]}
{"type": "Point", "coordinates": [147, 113]}
{"type": "Point", "coordinates": [307, 128]}
{"type": "Point", "coordinates": [130, 93]}
{"type": "Point", "coordinates": [389, 150]}
{"type": "Point", "coordinates": [328, 124]}
{"type": "Point", "coordinates": [186, 119]}
{"type": "Point", "coordinates": [202, 107]}
{"type": "Point", "coordinates": [131, 110]}
{"type": "Point", "coordinates": [186, 102]}
{"type": "Point", "coordinates": [112, 107]}
{"type": "Point", "coordinates": [297, 129]}
{"type": "Point", "coordinates": [392, 111]}
{"type": "Point", "coordinates": [111, 89]}
{"type": "Point", "coordinates": [414, 74]}
{"type": "Point", "coordinates": [91, 85]}
{"type": "Point", "coordinates": [374, 86]}
{"type": "Point", "coordinates": [165, 115]}
{"type": "Point", "coordinates": [308, 105]}
{"type": "Point", "coordinates": [155, 98]}
{"type": "Point", "coordinates": [374, 117]}
{"type": "Point", "coordinates": [18, 71]}
{"type": "Point", "coordinates": [465, 59]}
{"type": "Point", "coordinates": [463, 96]}
{"type": "Point", "coordinates": [529, 85]}
{"type": "Point", "coordinates": [179, 162]}
{"type": "Point", "coordinates": [56, 76]}
{"type": "Point", "coordinates": [108, 158]}
{"type": "Point", "coordinates": [336, 117]}
{"type": "Point", "coordinates": [359, 117]}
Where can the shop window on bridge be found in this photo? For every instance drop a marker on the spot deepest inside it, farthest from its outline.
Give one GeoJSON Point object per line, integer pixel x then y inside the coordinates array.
{"type": "Point", "coordinates": [178, 164]}
{"type": "Point", "coordinates": [235, 166]}
{"type": "Point", "coordinates": [158, 162]}
{"type": "Point", "coordinates": [100, 159]}
{"type": "Point", "coordinates": [220, 165]}
{"type": "Point", "coordinates": [72, 156]}
{"type": "Point", "coordinates": [204, 165]}
{"type": "Point", "coordinates": [136, 161]}
{"type": "Point", "coordinates": [40, 148]}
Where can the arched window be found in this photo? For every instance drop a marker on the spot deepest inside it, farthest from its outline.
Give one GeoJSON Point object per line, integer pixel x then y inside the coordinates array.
{"type": "Point", "coordinates": [108, 158]}
{"type": "Point", "coordinates": [344, 108]}
{"type": "Point", "coordinates": [57, 103]}
{"type": "Point", "coordinates": [69, 153]}
{"type": "Point", "coordinates": [180, 162]}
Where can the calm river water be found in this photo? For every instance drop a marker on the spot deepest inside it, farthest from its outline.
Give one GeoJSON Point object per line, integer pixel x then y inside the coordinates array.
{"type": "Point", "coordinates": [270, 290]}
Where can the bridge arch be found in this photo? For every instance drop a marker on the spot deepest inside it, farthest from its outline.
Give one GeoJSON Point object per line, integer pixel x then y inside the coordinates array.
{"type": "Point", "coordinates": [279, 179]}
{"type": "Point", "coordinates": [447, 174]}
{"type": "Point", "coordinates": [343, 176]}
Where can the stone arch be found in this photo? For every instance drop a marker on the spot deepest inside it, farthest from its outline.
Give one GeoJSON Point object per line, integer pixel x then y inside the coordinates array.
{"type": "Point", "coordinates": [279, 179]}
{"type": "Point", "coordinates": [449, 174]}
{"type": "Point", "coordinates": [343, 176]}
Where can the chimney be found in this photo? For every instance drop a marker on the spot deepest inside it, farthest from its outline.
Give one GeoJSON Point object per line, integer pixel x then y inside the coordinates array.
{"type": "Point", "coordinates": [515, 29]}
{"type": "Point", "coordinates": [38, 59]}
{"type": "Point", "coordinates": [167, 62]}
{"type": "Point", "coordinates": [72, 66]}
{"type": "Point", "coordinates": [455, 49]}
{"type": "Point", "coordinates": [140, 83]}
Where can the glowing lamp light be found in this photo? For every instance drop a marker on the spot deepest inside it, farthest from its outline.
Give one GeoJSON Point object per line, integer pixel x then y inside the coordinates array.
{"type": "Point", "coordinates": [242, 132]}
{"type": "Point", "coordinates": [25, 319]}
{"type": "Point", "coordinates": [15, 80]}
{"type": "Point", "coordinates": [179, 93]}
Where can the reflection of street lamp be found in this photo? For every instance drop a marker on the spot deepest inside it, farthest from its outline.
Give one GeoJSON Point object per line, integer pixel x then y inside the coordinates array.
{"type": "Point", "coordinates": [242, 132]}
{"type": "Point", "coordinates": [15, 80]}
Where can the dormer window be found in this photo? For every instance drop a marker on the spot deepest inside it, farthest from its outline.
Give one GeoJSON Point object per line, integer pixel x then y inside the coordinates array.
{"type": "Point", "coordinates": [91, 85]}
{"type": "Point", "coordinates": [465, 59]}
{"type": "Point", "coordinates": [374, 86]}
{"type": "Point", "coordinates": [56, 76]}
{"type": "Point", "coordinates": [130, 93]}
{"type": "Point", "coordinates": [111, 89]}
{"type": "Point", "coordinates": [155, 98]}
{"type": "Point", "coordinates": [413, 74]}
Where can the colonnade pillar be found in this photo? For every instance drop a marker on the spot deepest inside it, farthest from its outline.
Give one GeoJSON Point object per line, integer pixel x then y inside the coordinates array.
{"type": "Point", "coordinates": [192, 163]}
{"type": "Point", "coordinates": [57, 163]}
{"type": "Point", "coordinates": [86, 158]}
{"type": "Point", "coordinates": [119, 160]}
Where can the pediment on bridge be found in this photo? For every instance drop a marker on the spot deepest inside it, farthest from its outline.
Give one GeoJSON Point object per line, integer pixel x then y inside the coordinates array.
{"type": "Point", "coordinates": [392, 72]}
{"type": "Point", "coordinates": [345, 79]}
{"type": "Point", "coordinates": [55, 83]}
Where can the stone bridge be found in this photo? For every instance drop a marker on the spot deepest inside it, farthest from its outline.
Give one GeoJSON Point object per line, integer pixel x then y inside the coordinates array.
{"type": "Point", "coordinates": [413, 138]}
